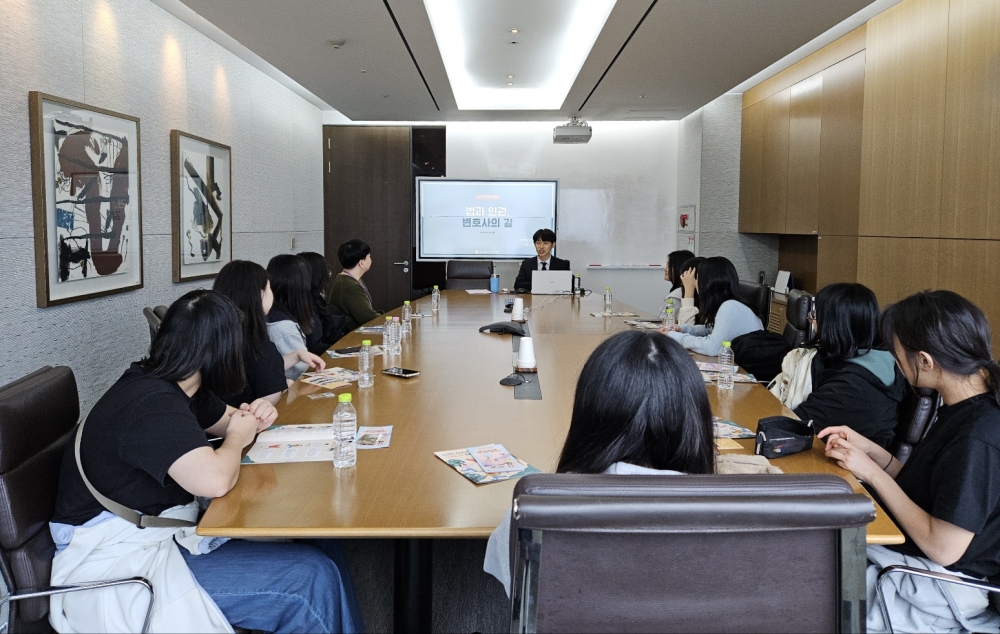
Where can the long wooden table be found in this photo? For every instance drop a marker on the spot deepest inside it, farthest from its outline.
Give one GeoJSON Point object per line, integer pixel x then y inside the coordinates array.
{"type": "Point", "coordinates": [405, 491]}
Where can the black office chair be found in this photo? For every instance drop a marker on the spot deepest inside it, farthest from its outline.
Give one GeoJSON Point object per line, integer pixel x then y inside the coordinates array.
{"type": "Point", "coordinates": [610, 553]}
{"type": "Point", "coordinates": [993, 590]}
{"type": "Point", "coordinates": [758, 296]}
{"type": "Point", "coordinates": [38, 415]}
{"type": "Point", "coordinates": [153, 318]}
{"type": "Point", "coordinates": [798, 330]}
{"type": "Point", "coordinates": [468, 274]}
{"type": "Point", "coordinates": [917, 413]}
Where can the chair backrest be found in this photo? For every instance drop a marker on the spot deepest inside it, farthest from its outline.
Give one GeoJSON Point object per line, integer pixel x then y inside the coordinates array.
{"type": "Point", "coordinates": [601, 553]}
{"type": "Point", "coordinates": [466, 274]}
{"type": "Point", "coordinates": [798, 330]}
{"type": "Point", "coordinates": [152, 320]}
{"type": "Point", "coordinates": [37, 415]}
{"type": "Point", "coordinates": [917, 413]}
{"type": "Point", "coordinates": [759, 298]}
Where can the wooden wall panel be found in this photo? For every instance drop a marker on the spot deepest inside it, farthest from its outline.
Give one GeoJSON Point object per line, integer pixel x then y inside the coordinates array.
{"type": "Point", "coordinates": [774, 179]}
{"type": "Point", "coordinates": [896, 267]}
{"type": "Point", "coordinates": [962, 268]}
{"type": "Point", "coordinates": [971, 196]}
{"type": "Point", "coordinates": [839, 49]}
{"type": "Point", "coordinates": [805, 107]}
{"type": "Point", "coordinates": [836, 260]}
{"type": "Point", "coordinates": [903, 137]}
{"type": "Point", "coordinates": [840, 147]}
{"type": "Point", "coordinates": [797, 254]}
{"type": "Point", "coordinates": [751, 168]}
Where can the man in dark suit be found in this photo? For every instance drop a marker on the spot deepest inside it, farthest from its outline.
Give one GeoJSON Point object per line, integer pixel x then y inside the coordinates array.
{"type": "Point", "coordinates": [545, 241]}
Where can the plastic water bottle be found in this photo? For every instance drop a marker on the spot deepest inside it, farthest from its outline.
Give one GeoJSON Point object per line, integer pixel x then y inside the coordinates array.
{"type": "Point", "coordinates": [345, 426]}
{"type": "Point", "coordinates": [407, 324]}
{"type": "Point", "coordinates": [726, 366]}
{"type": "Point", "coordinates": [397, 336]}
{"type": "Point", "coordinates": [387, 335]}
{"type": "Point", "coordinates": [435, 299]}
{"type": "Point", "coordinates": [366, 365]}
{"type": "Point", "coordinates": [607, 299]}
{"type": "Point", "coordinates": [668, 319]}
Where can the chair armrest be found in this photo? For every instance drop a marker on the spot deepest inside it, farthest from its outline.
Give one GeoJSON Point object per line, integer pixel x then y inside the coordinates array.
{"type": "Point", "coordinates": [929, 574]}
{"type": "Point", "coordinates": [46, 592]}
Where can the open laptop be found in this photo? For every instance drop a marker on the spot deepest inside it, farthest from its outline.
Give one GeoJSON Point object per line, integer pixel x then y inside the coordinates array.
{"type": "Point", "coordinates": [551, 282]}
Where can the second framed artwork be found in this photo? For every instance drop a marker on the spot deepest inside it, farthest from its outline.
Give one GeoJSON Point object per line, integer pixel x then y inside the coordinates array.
{"type": "Point", "coordinates": [201, 187]}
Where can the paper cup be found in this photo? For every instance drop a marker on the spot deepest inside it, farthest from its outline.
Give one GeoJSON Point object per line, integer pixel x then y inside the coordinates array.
{"type": "Point", "coordinates": [526, 353]}
{"type": "Point", "coordinates": [518, 311]}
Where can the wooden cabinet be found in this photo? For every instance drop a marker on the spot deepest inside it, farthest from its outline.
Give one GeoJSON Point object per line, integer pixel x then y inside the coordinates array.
{"type": "Point", "coordinates": [751, 168]}
{"type": "Point", "coordinates": [804, 112]}
{"type": "Point", "coordinates": [836, 259]}
{"type": "Point", "coordinates": [774, 177]}
{"type": "Point", "coordinates": [840, 147]}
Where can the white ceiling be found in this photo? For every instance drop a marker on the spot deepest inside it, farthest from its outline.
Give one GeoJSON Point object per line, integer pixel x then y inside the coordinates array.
{"type": "Point", "coordinates": [684, 53]}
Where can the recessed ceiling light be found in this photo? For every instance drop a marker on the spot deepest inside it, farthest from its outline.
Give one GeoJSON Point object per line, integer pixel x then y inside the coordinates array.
{"type": "Point", "coordinates": [510, 83]}
{"type": "Point", "coordinates": [572, 35]}
{"type": "Point", "coordinates": [510, 77]}
{"type": "Point", "coordinates": [515, 30]}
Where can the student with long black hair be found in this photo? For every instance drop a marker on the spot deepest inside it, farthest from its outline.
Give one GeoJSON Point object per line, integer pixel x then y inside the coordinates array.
{"type": "Point", "coordinates": [688, 278]}
{"type": "Point", "coordinates": [292, 318]}
{"type": "Point", "coordinates": [722, 313]}
{"type": "Point", "coordinates": [329, 324]}
{"type": "Point", "coordinates": [946, 498]}
{"type": "Point", "coordinates": [672, 274]}
{"type": "Point", "coordinates": [855, 381]}
{"type": "Point", "coordinates": [144, 446]}
{"type": "Point", "coordinates": [245, 283]}
{"type": "Point", "coordinates": [640, 408]}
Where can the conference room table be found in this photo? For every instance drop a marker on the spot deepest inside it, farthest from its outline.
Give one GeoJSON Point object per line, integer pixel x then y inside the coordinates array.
{"type": "Point", "coordinates": [405, 492]}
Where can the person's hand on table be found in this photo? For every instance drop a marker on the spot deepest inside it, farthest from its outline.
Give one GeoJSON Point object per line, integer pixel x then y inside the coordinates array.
{"type": "Point", "coordinates": [242, 426]}
{"type": "Point", "coordinates": [263, 411]}
{"type": "Point", "coordinates": [853, 452]}
{"type": "Point", "coordinates": [674, 328]}
{"type": "Point", "coordinates": [314, 362]}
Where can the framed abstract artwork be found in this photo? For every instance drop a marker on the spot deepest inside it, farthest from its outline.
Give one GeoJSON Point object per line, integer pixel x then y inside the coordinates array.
{"type": "Point", "coordinates": [202, 206]}
{"type": "Point", "coordinates": [87, 209]}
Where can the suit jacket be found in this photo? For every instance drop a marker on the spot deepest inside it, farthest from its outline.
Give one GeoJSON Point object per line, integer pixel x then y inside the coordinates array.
{"type": "Point", "coordinates": [523, 280]}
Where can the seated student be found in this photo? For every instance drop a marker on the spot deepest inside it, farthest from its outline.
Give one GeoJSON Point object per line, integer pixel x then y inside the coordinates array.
{"type": "Point", "coordinates": [945, 498]}
{"type": "Point", "coordinates": [245, 284]}
{"type": "Point", "coordinates": [545, 241]}
{"type": "Point", "coordinates": [640, 408]}
{"type": "Point", "coordinates": [291, 319]}
{"type": "Point", "coordinates": [723, 315]}
{"type": "Point", "coordinates": [329, 325]}
{"type": "Point", "coordinates": [346, 292]}
{"type": "Point", "coordinates": [855, 383]}
{"type": "Point", "coordinates": [144, 446]}
{"type": "Point", "coordinates": [688, 314]}
{"type": "Point", "coordinates": [672, 273]}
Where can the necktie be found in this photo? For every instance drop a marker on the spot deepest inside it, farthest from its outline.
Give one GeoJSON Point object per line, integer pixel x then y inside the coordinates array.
{"type": "Point", "coordinates": [545, 266]}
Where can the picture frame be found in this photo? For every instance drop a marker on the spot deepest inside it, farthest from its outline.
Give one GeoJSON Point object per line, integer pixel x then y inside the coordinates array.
{"type": "Point", "coordinates": [201, 202]}
{"type": "Point", "coordinates": [87, 200]}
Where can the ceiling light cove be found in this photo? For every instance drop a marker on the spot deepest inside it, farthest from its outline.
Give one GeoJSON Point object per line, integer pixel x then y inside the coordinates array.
{"type": "Point", "coordinates": [555, 38]}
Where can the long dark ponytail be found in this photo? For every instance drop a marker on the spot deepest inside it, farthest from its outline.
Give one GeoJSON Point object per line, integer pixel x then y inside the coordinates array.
{"type": "Point", "coordinates": [949, 328]}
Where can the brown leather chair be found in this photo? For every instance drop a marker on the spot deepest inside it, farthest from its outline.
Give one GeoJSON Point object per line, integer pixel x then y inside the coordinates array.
{"type": "Point", "coordinates": [466, 274]}
{"type": "Point", "coordinates": [916, 415]}
{"type": "Point", "coordinates": [750, 553]}
{"type": "Point", "coordinates": [758, 296]}
{"type": "Point", "coordinates": [798, 330]}
{"type": "Point", "coordinates": [38, 415]}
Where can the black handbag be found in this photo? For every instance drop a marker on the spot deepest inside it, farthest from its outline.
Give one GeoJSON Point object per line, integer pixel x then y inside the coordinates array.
{"type": "Point", "coordinates": [779, 436]}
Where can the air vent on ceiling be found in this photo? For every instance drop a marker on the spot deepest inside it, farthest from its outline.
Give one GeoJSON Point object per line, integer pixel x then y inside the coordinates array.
{"type": "Point", "coordinates": [650, 115]}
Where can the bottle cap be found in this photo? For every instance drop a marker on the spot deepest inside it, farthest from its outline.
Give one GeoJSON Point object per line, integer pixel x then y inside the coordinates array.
{"type": "Point", "coordinates": [366, 342]}
{"type": "Point", "coordinates": [727, 344]}
{"type": "Point", "coordinates": [670, 310]}
{"type": "Point", "coordinates": [395, 318]}
{"type": "Point", "coordinates": [607, 288]}
{"type": "Point", "coordinates": [406, 303]}
{"type": "Point", "coordinates": [388, 317]}
{"type": "Point", "coordinates": [344, 398]}
{"type": "Point", "coordinates": [435, 287]}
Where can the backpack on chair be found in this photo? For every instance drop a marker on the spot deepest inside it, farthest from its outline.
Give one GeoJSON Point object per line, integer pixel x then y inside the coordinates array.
{"type": "Point", "coordinates": [760, 353]}
{"type": "Point", "coordinates": [794, 384]}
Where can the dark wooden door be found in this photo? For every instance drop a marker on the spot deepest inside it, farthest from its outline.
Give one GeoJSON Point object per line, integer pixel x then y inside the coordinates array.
{"type": "Point", "coordinates": [367, 195]}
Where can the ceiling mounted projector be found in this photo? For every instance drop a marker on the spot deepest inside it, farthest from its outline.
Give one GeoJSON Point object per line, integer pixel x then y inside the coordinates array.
{"type": "Point", "coordinates": [576, 131]}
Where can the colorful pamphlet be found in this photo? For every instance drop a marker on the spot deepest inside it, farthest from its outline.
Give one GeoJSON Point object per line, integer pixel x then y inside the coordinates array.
{"type": "Point", "coordinates": [463, 462]}
{"type": "Point", "coordinates": [374, 437]}
{"type": "Point", "coordinates": [616, 314]}
{"type": "Point", "coordinates": [494, 459]}
{"type": "Point", "coordinates": [737, 378]}
{"type": "Point", "coordinates": [729, 429]}
{"type": "Point", "coordinates": [714, 367]}
{"type": "Point", "coordinates": [644, 325]}
{"type": "Point", "coordinates": [330, 378]}
{"type": "Point", "coordinates": [292, 443]}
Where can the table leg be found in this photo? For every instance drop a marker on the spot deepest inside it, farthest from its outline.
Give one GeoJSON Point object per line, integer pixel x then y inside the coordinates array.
{"type": "Point", "coordinates": [412, 586]}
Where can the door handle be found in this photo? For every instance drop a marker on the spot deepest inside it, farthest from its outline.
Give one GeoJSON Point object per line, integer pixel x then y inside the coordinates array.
{"type": "Point", "coordinates": [403, 263]}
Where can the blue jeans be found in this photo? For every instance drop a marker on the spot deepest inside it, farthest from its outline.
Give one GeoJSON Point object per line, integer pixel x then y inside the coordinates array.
{"type": "Point", "coordinates": [280, 587]}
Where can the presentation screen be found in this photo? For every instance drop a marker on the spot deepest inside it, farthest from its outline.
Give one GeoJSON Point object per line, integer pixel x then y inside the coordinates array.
{"type": "Point", "coordinates": [485, 220]}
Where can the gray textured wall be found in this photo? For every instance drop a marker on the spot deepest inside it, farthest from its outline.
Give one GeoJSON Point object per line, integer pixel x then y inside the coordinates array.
{"type": "Point", "coordinates": [132, 57]}
{"type": "Point", "coordinates": [715, 185]}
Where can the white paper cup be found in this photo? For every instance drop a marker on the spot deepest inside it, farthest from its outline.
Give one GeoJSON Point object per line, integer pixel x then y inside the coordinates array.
{"type": "Point", "coordinates": [526, 353]}
{"type": "Point", "coordinates": [517, 312]}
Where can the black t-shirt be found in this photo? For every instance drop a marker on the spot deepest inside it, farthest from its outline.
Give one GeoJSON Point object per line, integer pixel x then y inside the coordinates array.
{"type": "Point", "coordinates": [135, 432]}
{"type": "Point", "coordinates": [954, 475]}
{"type": "Point", "coordinates": [265, 375]}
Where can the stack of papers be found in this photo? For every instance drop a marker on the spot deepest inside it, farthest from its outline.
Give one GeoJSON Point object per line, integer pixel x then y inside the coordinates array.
{"type": "Point", "coordinates": [376, 351]}
{"type": "Point", "coordinates": [729, 429]}
{"type": "Point", "coordinates": [486, 464]}
{"type": "Point", "coordinates": [614, 314]}
{"type": "Point", "coordinates": [478, 291]}
{"type": "Point", "coordinates": [308, 443]}
{"type": "Point", "coordinates": [644, 325]}
{"type": "Point", "coordinates": [330, 378]}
